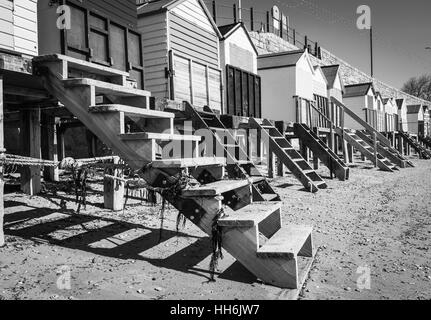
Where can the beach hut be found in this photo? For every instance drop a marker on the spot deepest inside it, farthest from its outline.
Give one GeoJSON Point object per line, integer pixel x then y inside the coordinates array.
{"type": "Point", "coordinates": [238, 60]}
{"type": "Point", "coordinates": [287, 85]}
{"type": "Point", "coordinates": [334, 81]}
{"type": "Point", "coordinates": [402, 115]}
{"type": "Point", "coordinates": [391, 114]}
{"type": "Point", "coordinates": [427, 124]}
{"type": "Point", "coordinates": [380, 107]}
{"type": "Point", "coordinates": [415, 119]}
{"type": "Point", "coordinates": [181, 52]}
{"type": "Point", "coordinates": [102, 32]}
{"type": "Point", "coordinates": [18, 27]}
{"type": "Point", "coordinates": [360, 98]}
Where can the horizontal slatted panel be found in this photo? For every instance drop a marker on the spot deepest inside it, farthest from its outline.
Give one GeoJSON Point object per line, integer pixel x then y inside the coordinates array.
{"type": "Point", "coordinates": [193, 41]}
{"type": "Point", "coordinates": [6, 25]}
{"type": "Point", "coordinates": [123, 11]}
{"type": "Point", "coordinates": [155, 47]}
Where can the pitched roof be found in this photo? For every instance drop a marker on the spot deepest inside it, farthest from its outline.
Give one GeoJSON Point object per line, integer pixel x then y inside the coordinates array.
{"type": "Point", "coordinates": [330, 73]}
{"type": "Point", "coordinates": [400, 103]}
{"type": "Point", "coordinates": [386, 100]}
{"type": "Point", "coordinates": [288, 59]}
{"type": "Point", "coordinates": [414, 109]}
{"type": "Point", "coordinates": [151, 7]}
{"type": "Point", "coordinates": [228, 30]}
{"type": "Point", "coordinates": [357, 90]}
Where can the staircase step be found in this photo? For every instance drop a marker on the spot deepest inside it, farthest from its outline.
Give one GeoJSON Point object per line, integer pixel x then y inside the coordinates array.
{"type": "Point", "coordinates": [159, 137]}
{"type": "Point", "coordinates": [133, 111]}
{"type": "Point", "coordinates": [215, 189]}
{"type": "Point", "coordinates": [82, 65]}
{"type": "Point", "coordinates": [287, 243]}
{"type": "Point", "coordinates": [106, 88]}
{"type": "Point", "coordinates": [250, 215]}
{"type": "Point", "coordinates": [189, 163]}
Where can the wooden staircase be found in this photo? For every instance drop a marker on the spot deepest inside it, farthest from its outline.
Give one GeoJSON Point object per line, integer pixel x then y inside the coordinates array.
{"type": "Point", "coordinates": [426, 142]}
{"type": "Point", "coordinates": [421, 151]}
{"type": "Point", "coordinates": [322, 151]}
{"type": "Point", "coordinates": [252, 229]}
{"type": "Point", "coordinates": [393, 155]}
{"type": "Point", "coordinates": [222, 143]}
{"type": "Point", "coordinates": [291, 158]}
{"type": "Point", "coordinates": [366, 150]}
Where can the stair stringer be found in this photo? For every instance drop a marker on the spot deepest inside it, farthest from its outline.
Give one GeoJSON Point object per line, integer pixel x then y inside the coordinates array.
{"type": "Point", "coordinates": [366, 153]}
{"type": "Point", "coordinates": [384, 151]}
{"type": "Point", "coordinates": [233, 168]}
{"type": "Point", "coordinates": [326, 155]}
{"type": "Point", "coordinates": [296, 170]}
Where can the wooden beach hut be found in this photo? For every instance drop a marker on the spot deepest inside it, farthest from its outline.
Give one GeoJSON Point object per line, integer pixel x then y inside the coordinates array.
{"type": "Point", "coordinates": [238, 60]}
{"type": "Point", "coordinates": [287, 85]}
{"type": "Point", "coordinates": [181, 52]}
{"type": "Point", "coordinates": [415, 119]}
{"type": "Point", "coordinates": [360, 98]}
{"type": "Point", "coordinates": [402, 115]}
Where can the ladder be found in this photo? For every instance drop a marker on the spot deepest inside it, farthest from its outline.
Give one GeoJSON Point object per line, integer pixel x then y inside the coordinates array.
{"type": "Point", "coordinates": [422, 152]}
{"type": "Point", "coordinates": [222, 142]}
{"type": "Point", "coordinates": [288, 156]}
{"type": "Point", "coordinates": [366, 150]}
{"type": "Point", "coordinates": [390, 153]}
{"type": "Point", "coordinates": [252, 230]}
{"type": "Point", "coordinates": [322, 151]}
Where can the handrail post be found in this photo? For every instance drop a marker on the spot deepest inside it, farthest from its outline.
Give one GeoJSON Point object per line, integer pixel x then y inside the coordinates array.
{"type": "Point", "coordinates": [375, 148]}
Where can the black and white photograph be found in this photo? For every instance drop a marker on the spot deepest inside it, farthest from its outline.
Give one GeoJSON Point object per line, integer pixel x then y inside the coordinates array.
{"type": "Point", "coordinates": [244, 151]}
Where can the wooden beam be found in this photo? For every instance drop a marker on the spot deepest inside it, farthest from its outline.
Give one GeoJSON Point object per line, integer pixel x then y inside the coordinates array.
{"type": "Point", "coordinates": [30, 147]}
{"type": "Point", "coordinates": [15, 63]}
{"type": "Point", "coordinates": [114, 191]}
{"type": "Point", "coordinates": [49, 146]}
{"type": "Point", "coordinates": [2, 151]}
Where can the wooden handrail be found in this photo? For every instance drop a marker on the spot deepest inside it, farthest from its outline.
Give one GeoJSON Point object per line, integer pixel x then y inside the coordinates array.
{"type": "Point", "coordinates": [363, 123]}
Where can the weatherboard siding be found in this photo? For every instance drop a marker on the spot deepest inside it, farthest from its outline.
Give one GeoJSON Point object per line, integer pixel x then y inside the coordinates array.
{"type": "Point", "coordinates": [18, 26]}
{"type": "Point", "coordinates": [154, 32]}
{"type": "Point", "coordinates": [189, 39]}
{"type": "Point", "coordinates": [6, 25]}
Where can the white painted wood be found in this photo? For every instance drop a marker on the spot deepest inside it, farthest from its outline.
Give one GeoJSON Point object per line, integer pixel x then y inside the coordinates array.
{"type": "Point", "coordinates": [26, 27]}
{"type": "Point", "coordinates": [193, 11]}
{"type": "Point", "coordinates": [6, 25]}
{"type": "Point", "coordinates": [319, 83]}
{"type": "Point", "coordinates": [232, 52]}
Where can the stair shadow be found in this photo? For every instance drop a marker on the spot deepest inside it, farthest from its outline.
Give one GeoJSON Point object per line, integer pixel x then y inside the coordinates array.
{"type": "Point", "coordinates": [237, 272]}
{"type": "Point", "coordinates": [183, 260]}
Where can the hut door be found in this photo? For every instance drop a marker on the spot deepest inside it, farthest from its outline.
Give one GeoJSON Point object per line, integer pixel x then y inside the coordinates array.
{"type": "Point", "coordinates": [195, 82]}
{"type": "Point", "coordinates": [243, 93]}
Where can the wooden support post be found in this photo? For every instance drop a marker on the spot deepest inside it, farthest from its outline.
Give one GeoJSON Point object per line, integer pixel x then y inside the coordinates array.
{"type": "Point", "coordinates": [49, 146]}
{"type": "Point", "coordinates": [304, 151]}
{"type": "Point", "coordinates": [345, 151]}
{"type": "Point", "coordinates": [271, 163]}
{"type": "Point", "coordinates": [114, 191]}
{"type": "Point", "coordinates": [61, 149]}
{"type": "Point", "coordinates": [30, 147]}
{"type": "Point", "coordinates": [259, 147]}
{"type": "Point", "coordinates": [350, 153]}
{"type": "Point", "coordinates": [280, 125]}
{"type": "Point", "coordinates": [375, 149]}
{"type": "Point", "coordinates": [2, 152]}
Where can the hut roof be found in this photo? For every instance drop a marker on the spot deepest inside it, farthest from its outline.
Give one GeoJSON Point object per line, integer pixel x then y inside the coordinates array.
{"type": "Point", "coordinates": [357, 90]}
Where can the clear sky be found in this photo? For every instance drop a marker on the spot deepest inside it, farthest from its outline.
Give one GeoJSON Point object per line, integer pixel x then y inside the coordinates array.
{"type": "Point", "coordinates": [402, 30]}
